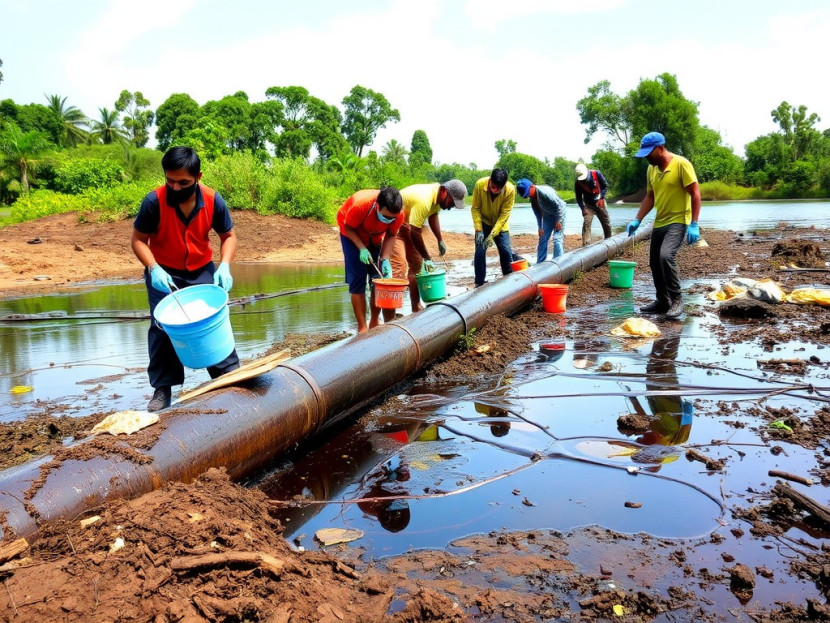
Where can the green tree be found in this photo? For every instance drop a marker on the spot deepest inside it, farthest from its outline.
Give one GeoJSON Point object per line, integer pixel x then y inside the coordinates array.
{"type": "Point", "coordinates": [420, 151]}
{"type": "Point", "coordinates": [522, 165]}
{"type": "Point", "coordinates": [797, 128]}
{"type": "Point", "coordinates": [20, 151]}
{"type": "Point", "coordinates": [766, 158]}
{"type": "Point", "coordinates": [366, 112]}
{"type": "Point", "coordinates": [306, 122]}
{"type": "Point", "coordinates": [33, 118]}
{"type": "Point", "coordinates": [209, 139]}
{"type": "Point", "coordinates": [659, 106]}
{"type": "Point", "coordinates": [655, 105]}
{"type": "Point", "coordinates": [602, 110]}
{"type": "Point", "coordinates": [715, 161]}
{"type": "Point", "coordinates": [395, 152]}
{"type": "Point", "coordinates": [505, 146]}
{"type": "Point", "coordinates": [72, 121]}
{"type": "Point", "coordinates": [107, 129]}
{"type": "Point", "coordinates": [176, 116]}
{"type": "Point", "coordinates": [137, 121]}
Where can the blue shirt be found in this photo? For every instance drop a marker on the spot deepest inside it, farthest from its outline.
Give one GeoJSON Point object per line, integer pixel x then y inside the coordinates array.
{"type": "Point", "coordinates": [547, 203]}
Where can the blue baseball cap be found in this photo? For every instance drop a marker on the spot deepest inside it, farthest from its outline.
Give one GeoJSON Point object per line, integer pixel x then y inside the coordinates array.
{"type": "Point", "coordinates": [523, 187]}
{"type": "Point", "coordinates": [649, 142]}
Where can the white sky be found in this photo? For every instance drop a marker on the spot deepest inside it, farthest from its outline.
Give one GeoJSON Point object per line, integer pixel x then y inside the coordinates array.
{"type": "Point", "coordinates": [468, 72]}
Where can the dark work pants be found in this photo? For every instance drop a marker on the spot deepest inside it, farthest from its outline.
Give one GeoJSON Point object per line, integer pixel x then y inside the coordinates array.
{"type": "Point", "coordinates": [665, 243]}
{"type": "Point", "coordinates": [165, 369]}
{"type": "Point", "coordinates": [502, 241]}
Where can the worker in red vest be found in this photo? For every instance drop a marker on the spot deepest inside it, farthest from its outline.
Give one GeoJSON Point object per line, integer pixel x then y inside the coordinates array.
{"type": "Point", "coordinates": [590, 188]}
{"type": "Point", "coordinates": [170, 237]}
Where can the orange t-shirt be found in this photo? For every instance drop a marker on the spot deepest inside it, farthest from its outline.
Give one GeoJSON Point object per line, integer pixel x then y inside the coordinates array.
{"type": "Point", "coordinates": [359, 213]}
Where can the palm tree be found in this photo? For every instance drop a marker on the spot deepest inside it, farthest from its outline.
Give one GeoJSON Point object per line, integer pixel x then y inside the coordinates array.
{"type": "Point", "coordinates": [73, 121]}
{"type": "Point", "coordinates": [108, 129]}
{"type": "Point", "coordinates": [20, 151]}
{"type": "Point", "coordinates": [395, 152]}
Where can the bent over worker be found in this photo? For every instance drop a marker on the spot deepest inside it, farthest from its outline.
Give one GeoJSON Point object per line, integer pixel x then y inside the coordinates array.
{"type": "Point", "coordinates": [421, 204]}
{"type": "Point", "coordinates": [493, 199]}
{"type": "Point", "coordinates": [170, 237]}
{"type": "Point", "coordinates": [590, 188]}
{"type": "Point", "coordinates": [369, 221]}
{"type": "Point", "coordinates": [549, 210]}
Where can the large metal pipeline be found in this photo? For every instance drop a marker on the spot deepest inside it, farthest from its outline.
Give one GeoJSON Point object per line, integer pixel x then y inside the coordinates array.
{"type": "Point", "coordinates": [244, 427]}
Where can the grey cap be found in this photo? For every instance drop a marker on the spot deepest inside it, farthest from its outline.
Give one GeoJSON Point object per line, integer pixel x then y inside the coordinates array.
{"type": "Point", "coordinates": [458, 191]}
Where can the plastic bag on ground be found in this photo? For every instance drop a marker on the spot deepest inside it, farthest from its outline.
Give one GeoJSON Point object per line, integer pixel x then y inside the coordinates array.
{"type": "Point", "coordinates": [636, 327]}
{"type": "Point", "coordinates": [126, 422]}
{"type": "Point", "coordinates": [810, 296]}
{"type": "Point", "coordinates": [767, 290]}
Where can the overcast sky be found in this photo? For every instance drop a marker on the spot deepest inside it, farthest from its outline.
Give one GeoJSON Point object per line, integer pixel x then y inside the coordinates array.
{"type": "Point", "coordinates": [468, 72]}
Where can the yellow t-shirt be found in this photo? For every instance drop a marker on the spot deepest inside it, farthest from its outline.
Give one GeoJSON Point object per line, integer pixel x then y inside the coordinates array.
{"type": "Point", "coordinates": [671, 201]}
{"type": "Point", "coordinates": [420, 201]}
{"type": "Point", "coordinates": [493, 212]}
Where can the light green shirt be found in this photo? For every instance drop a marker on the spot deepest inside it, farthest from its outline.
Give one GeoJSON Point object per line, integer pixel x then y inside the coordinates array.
{"type": "Point", "coordinates": [493, 212]}
{"type": "Point", "coordinates": [673, 204]}
{"type": "Point", "coordinates": [420, 201]}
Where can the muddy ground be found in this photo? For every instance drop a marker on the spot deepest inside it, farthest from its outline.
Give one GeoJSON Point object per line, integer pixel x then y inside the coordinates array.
{"type": "Point", "coordinates": [211, 551]}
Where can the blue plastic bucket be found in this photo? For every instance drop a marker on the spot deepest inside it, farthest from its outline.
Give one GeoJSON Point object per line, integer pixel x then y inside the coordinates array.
{"type": "Point", "coordinates": [205, 342]}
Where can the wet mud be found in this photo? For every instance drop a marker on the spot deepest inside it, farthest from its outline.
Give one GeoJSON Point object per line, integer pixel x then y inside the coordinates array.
{"type": "Point", "coordinates": [214, 551]}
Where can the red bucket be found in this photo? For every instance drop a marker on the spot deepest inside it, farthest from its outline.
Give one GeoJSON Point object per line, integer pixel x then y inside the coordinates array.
{"type": "Point", "coordinates": [554, 296]}
{"type": "Point", "coordinates": [389, 292]}
{"type": "Point", "coordinates": [520, 265]}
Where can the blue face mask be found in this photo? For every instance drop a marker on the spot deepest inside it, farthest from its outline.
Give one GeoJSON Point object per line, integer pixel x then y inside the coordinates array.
{"type": "Point", "coordinates": [383, 219]}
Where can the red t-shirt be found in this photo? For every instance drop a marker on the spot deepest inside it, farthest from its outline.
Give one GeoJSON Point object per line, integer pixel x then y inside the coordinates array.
{"type": "Point", "coordinates": [359, 213]}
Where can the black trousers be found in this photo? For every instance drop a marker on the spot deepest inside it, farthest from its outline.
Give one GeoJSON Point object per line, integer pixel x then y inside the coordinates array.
{"type": "Point", "coordinates": [165, 369]}
{"type": "Point", "coordinates": [665, 243]}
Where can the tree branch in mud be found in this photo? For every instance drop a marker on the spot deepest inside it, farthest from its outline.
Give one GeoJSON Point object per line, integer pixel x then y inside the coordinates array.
{"type": "Point", "coordinates": [803, 501]}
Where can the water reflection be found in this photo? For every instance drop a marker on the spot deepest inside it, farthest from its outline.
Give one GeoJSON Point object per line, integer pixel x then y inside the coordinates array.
{"type": "Point", "coordinates": [362, 463]}
{"type": "Point", "coordinates": [671, 423]}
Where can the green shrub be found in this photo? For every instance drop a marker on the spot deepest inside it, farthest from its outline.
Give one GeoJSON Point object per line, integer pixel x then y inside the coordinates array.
{"type": "Point", "coordinates": [76, 176]}
{"type": "Point", "coordinates": [294, 189]}
{"type": "Point", "coordinates": [239, 177]}
{"type": "Point", "coordinates": [116, 202]}
{"type": "Point", "coordinates": [40, 203]}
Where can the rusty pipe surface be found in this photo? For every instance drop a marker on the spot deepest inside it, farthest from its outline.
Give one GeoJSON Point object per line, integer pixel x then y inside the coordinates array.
{"type": "Point", "coordinates": [244, 427]}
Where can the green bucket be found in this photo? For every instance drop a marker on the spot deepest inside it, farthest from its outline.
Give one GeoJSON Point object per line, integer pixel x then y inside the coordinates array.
{"type": "Point", "coordinates": [432, 286]}
{"type": "Point", "coordinates": [622, 273]}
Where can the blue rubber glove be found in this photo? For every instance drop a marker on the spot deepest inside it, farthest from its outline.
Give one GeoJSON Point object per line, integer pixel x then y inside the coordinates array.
{"type": "Point", "coordinates": [632, 227]}
{"type": "Point", "coordinates": [222, 277]}
{"type": "Point", "coordinates": [687, 411]}
{"type": "Point", "coordinates": [442, 248]}
{"type": "Point", "coordinates": [428, 266]}
{"type": "Point", "coordinates": [365, 256]}
{"type": "Point", "coordinates": [693, 233]}
{"type": "Point", "coordinates": [386, 269]}
{"type": "Point", "coordinates": [160, 279]}
{"type": "Point", "coordinates": [479, 238]}
{"type": "Point", "coordinates": [488, 241]}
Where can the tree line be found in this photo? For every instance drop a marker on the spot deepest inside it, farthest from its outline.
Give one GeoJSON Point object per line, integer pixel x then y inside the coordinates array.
{"type": "Point", "coordinates": [53, 148]}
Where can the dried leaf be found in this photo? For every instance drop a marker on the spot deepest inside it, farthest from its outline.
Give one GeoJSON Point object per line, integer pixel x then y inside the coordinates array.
{"type": "Point", "coordinates": [332, 536]}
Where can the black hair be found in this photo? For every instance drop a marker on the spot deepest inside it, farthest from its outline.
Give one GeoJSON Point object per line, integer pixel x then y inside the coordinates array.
{"type": "Point", "coordinates": [499, 177]}
{"type": "Point", "coordinates": [181, 157]}
{"type": "Point", "coordinates": [390, 198]}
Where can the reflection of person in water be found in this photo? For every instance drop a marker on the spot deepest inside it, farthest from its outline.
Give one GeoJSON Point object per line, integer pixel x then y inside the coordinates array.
{"type": "Point", "coordinates": [585, 354]}
{"type": "Point", "coordinates": [673, 415]}
{"type": "Point", "coordinates": [392, 514]}
{"type": "Point", "coordinates": [501, 426]}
